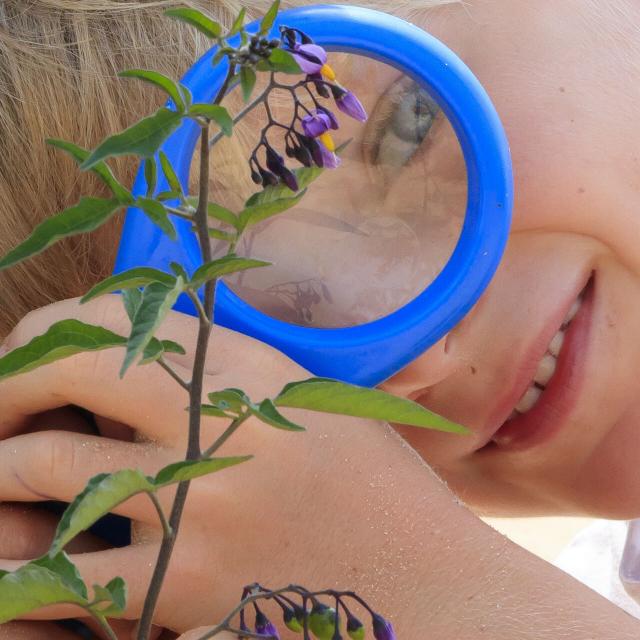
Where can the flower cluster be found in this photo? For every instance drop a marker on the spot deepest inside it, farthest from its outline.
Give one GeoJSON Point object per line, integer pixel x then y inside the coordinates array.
{"type": "Point", "coordinates": [311, 617]}
{"type": "Point", "coordinates": [307, 137]}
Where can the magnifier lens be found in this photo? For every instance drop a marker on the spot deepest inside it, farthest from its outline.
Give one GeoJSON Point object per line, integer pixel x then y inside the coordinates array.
{"type": "Point", "coordinates": [368, 237]}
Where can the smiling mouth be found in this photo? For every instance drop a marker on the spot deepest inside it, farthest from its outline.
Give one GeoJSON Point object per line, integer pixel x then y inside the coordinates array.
{"type": "Point", "coordinates": [553, 389]}
{"type": "Point", "coordinates": [547, 365]}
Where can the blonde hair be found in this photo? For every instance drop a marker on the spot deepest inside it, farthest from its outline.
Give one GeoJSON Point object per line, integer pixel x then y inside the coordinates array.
{"type": "Point", "coordinates": [58, 66]}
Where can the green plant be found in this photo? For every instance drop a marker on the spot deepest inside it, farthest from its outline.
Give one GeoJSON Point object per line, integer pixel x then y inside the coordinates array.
{"type": "Point", "coordinates": [148, 295]}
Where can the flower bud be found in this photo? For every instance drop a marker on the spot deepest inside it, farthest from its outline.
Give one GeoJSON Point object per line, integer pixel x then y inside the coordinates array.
{"type": "Point", "coordinates": [355, 628]}
{"type": "Point", "coordinates": [349, 104]}
{"type": "Point", "coordinates": [323, 621]}
{"type": "Point", "coordinates": [382, 629]}
{"type": "Point", "coordinates": [256, 177]}
{"type": "Point", "coordinates": [268, 178]}
{"type": "Point", "coordinates": [265, 627]}
{"type": "Point", "coordinates": [292, 620]}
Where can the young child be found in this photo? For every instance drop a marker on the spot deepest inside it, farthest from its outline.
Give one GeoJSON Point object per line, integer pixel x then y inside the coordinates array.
{"type": "Point", "coordinates": [542, 370]}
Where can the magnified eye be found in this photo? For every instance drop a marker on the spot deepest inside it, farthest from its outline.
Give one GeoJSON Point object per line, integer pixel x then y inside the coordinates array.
{"type": "Point", "coordinates": [399, 124]}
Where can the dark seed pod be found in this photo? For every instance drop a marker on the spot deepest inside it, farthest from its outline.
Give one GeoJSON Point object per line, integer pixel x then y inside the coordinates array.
{"type": "Point", "coordinates": [256, 177]}
{"type": "Point", "coordinates": [274, 44]}
{"type": "Point", "coordinates": [268, 178]}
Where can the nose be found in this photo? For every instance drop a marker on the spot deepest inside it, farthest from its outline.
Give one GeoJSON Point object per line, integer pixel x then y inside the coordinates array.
{"type": "Point", "coordinates": [427, 370]}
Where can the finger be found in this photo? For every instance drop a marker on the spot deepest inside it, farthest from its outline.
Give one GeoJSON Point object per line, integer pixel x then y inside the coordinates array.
{"type": "Point", "coordinates": [27, 532]}
{"type": "Point", "coordinates": [195, 634]}
{"type": "Point", "coordinates": [124, 629]}
{"type": "Point", "coordinates": [133, 563]}
{"type": "Point", "coordinates": [34, 631]}
{"type": "Point", "coordinates": [147, 398]}
{"type": "Point", "coordinates": [56, 465]}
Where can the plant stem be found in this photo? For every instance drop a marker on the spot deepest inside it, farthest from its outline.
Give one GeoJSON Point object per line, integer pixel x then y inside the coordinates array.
{"type": "Point", "coordinates": [230, 430]}
{"type": "Point", "coordinates": [196, 384]}
{"type": "Point", "coordinates": [104, 625]}
{"type": "Point", "coordinates": [183, 383]}
{"type": "Point", "coordinates": [248, 109]}
{"type": "Point", "coordinates": [166, 527]}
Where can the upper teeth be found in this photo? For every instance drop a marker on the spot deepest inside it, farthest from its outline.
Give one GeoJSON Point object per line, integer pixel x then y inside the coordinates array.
{"type": "Point", "coordinates": [547, 366]}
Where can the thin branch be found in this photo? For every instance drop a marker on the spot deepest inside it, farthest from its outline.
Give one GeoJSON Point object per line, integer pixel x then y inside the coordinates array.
{"type": "Point", "coordinates": [104, 625]}
{"type": "Point", "coordinates": [198, 304]}
{"type": "Point", "coordinates": [183, 383]}
{"type": "Point", "coordinates": [178, 212]}
{"type": "Point", "coordinates": [248, 109]}
{"type": "Point", "coordinates": [230, 430]}
{"type": "Point", "coordinates": [166, 527]}
{"type": "Point", "coordinates": [195, 390]}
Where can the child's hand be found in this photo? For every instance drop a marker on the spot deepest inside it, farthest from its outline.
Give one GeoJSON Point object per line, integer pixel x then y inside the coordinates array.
{"type": "Point", "coordinates": [267, 520]}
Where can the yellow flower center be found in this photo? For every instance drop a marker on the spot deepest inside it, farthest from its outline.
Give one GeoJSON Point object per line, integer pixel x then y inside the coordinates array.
{"type": "Point", "coordinates": [327, 141]}
{"type": "Point", "coordinates": [328, 72]}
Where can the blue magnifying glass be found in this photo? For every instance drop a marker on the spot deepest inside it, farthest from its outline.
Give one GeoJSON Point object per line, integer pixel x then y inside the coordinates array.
{"type": "Point", "coordinates": [368, 352]}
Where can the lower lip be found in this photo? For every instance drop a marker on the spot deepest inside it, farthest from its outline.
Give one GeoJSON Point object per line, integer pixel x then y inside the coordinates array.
{"type": "Point", "coordinates": [541, 423]}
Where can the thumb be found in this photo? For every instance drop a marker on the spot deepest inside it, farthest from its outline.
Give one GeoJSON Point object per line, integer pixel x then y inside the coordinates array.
{"type": "Point", "coordinates": [195, 634]}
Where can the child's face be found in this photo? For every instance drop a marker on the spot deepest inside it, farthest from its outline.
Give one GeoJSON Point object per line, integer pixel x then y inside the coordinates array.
{"type": "Point", "coordinates": [565, 78]}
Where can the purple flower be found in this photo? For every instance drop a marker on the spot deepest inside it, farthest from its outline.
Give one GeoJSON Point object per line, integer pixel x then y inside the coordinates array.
{"type": "Point", "coordinates": [332, 118]}
{"type": "Point", "coordinates": [349, 104]}
{"type": "Point", "coordinates": [324, 158]}
{"type": "Point", "coordinates": [382, 629]}
{"type": "Point", "coordinates": [265, 627]}
{"type": "Point", "coordinates": [276, 165]}
{"type": "Point", "coordinates": [316, 124]}
{"type": "Point", "coordinates": [310, 57]}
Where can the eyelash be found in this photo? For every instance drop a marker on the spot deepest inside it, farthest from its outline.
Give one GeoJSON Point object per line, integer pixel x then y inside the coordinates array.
{"type": "Point", "coordinates": [388, 126]}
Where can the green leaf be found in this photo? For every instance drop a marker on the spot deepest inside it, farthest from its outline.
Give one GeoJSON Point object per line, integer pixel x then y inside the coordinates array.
{"type": "Point", "coordinates": [222, 235]}
{"type": "Point", "coordinates": [179, 270]}
{"type": "Point", "coordinates": [221, 53]}
{"type": "Point", "coordinates": [101, 168]}
{"type": "Point", "coordinates": [102, 494]}
{"type": "Point", "coordinates": [32, 587]}
{"type": "Point", "coordinates": [197, 19]}
{"type": "Point", "coordinates": [187, 96]}
{"type": "Point", "coordinates": [331, 396]}
{"type": "Point", "coordinates": [61, 565]}
{"type": "Point", "coordinates": [158, 214]}
{"type": "Point", "coordinates": [164, 196]}
{"type": "Point", "coordinates": [259, 212]}
{"type": "Point", "coordinates": [269, 18]}
{"type": "Point", "coordinates": [132, 299]}
{"type": "Point", "coordinates": [214, 112]}
{"type": "Point", "coordinates": [157, 348]}
{"type": "Point", "coordinates": [115, 594]}
{"type": "Point", "coordinates": [280, 60]}
{"type": "Point", "coordinates": [169, 173]}
{"type": "Point", "coordinates": [222, 267]}
{"type": "Point", "coordinates": [268, 413]}
{"type": "Point", "coordinates": [152, 352]}
{"type": "Point", "coordinates": [157, 300]}
{"type": "Point", "coordinates": [87, 215]}
{"type": "Point", "coordinates": [248, 80]}
{"type": "Point", "coordinates": [132, 278]}
{"type": "Point", "coordinates": [61, 340]}
{"type": "Point", "coordinates": [143, 138]}
{"type": "Point", "coordinates": [270, 194]}
{"type": "Point", "coordinates": [238, 23]}
{"type": "Point", "coordinates": [213, 412]}
{"type": "Point", "coordinates": [170, 346]}
{"type": "Point", "coordinates": [230, 400]}
{"type": "Point", "coordinates": [150, 175]}
{"type": "Point", "coordinates": [216, 211]}
{"type": "Point", "coordinates": [159, 80]}
{"type": "Point", "coordinates": [190, 469]}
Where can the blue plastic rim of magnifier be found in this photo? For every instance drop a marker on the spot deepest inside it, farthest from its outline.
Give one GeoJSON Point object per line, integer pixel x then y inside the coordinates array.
{"type": "Point", "coordinates": [369, 353]}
